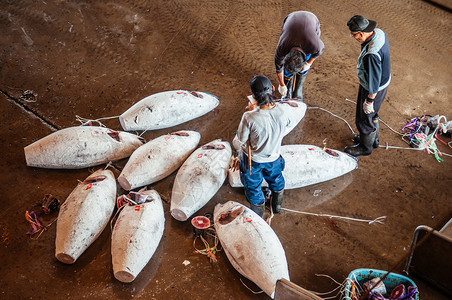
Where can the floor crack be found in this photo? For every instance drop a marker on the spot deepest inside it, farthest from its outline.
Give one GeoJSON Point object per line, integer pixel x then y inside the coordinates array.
{"type": "Point", "coordinates": [31, 111]}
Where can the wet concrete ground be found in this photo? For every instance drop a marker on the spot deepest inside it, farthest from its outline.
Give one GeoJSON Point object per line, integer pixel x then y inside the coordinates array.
{"type": "Point", "coordinates": [97, 59]}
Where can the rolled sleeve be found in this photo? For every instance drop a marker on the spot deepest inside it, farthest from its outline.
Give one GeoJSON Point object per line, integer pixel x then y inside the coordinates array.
{"type": "Point", "coordinates": [242, 135]}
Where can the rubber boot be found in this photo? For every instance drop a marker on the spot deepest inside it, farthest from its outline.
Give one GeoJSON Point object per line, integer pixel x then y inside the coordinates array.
{"type": "Point", "coordinates": [258, 209]}
{"type": "Point", "coordinates": [267, 194]}
{"type": "Point", "coordinates": [376, 122]}
{"type": "Point", "coordinates": [277, 198]}
{"type": "Point", "coordinates": [365, 146]}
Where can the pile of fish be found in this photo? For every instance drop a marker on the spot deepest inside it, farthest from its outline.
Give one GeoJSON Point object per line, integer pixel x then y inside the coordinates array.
{"type": "Point", "coordinates": [249, 242]}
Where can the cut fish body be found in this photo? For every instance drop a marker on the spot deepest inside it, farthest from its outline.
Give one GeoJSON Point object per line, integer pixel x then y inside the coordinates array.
{"type": "Point", "coordinates": [199, 178]}
{"type": "Point", "coordinates": [136, 235]}
{"type": "Point", "coordinates": [158, 158]}
{"type": "Point", "coordinates": [251, 245]}
{"type": "Point", "coordinates": [307, 165]}
{"type": "Point", "coordinates": [80, 147]}
{"type": "Point", "coordinates": [84, 215]}
{"type": "Point", "coordinates": [167, 109]}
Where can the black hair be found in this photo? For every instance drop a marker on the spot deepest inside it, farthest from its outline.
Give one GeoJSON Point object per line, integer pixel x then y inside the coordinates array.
{"type": "Point", "coordinates": [264, 98]}
{"type": "Point", "coordinates": [262, 89]}
{"type": "Point", "coordinates": [293, 62]}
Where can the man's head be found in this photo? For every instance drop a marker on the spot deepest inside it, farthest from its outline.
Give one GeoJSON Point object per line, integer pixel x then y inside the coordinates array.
{"type": "Point", "coordinates": [294, 60]}
{"type": "Point", "coordinates": [361, 28]}
{"type": "Point", "coordinates": [262, 89]}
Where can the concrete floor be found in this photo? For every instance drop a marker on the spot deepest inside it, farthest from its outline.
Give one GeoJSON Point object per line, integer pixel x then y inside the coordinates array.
{"type": "Point", "coordinates": [96, 60]}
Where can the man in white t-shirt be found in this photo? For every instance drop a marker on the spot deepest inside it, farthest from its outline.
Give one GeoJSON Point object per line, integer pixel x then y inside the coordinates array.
{"type": "Point", "coordinates": [260, 133]}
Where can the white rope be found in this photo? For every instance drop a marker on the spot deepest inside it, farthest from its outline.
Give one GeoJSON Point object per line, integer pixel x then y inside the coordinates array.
{"type": "Point", "coordinates": [316, 107]}
{"type": "Point", "coordinates": [390, 127]}
{"type": "Point", "coordinates": [260, 292]}
{"type": "Point", "coordinates": [404, 135]}
{"type": "Point", "coordinates": [147, 129]}
{"type": "Point", "coordinates": [404, 148]}
{"type": "Point", "coordinates": [339, 285]}
{"type": "Point", "coordinates": [409, 148]}
{"type": "Point", "coordinates": [382, 121]}
{"type": "Point", "coordinates": [85, 121]}
{"type": "Point", "coordinates": [377, 220]}
{"type": "Point", "coordinates": [328, 276]}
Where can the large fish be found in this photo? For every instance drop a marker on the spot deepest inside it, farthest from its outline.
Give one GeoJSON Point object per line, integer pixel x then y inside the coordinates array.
{"type": "Point", "coordinates": [306, 165]}
{"type": "Point", "coordinates": [81, 147]}
{"type": "Point", "coordinates": [158, 158]}
{"type": "Point", "coordinates": [84, 215]}
{"type": "Point", "coordinates": [167, 109]}
{"type": "Point", "coordinates": [199, 178]}
{"type": "Point", "coordinates": [251, 245]}
{"type": "Point", "coordinates": [136, 235]}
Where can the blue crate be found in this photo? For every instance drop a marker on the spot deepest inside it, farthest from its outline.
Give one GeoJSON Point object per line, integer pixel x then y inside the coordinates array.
{"type": "Point", "coordinates": [364, 275]}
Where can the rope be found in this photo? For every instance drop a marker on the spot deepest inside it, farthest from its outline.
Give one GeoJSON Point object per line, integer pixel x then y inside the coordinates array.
{"type": "Point", "coordinates": [424, 143]}
{"type": "Point", "coordinates": [85, 121]}
{"type": "Point", "coordinates": [209, 251]}
{"type": "Point", "coordinates": [37, 226]}
{"type": "Point", "coordinates": [316, 107]}
{"type": "Point", "coordinates": [377, 220]}
{"type": "Point", "coordinates": [260, 292]}
{"type": "Point", "coordinates": [390, 127]}
{"type": "Point", "coordinates": [340, 287]}
{"type": "Point", "coordinates": [379, 119]}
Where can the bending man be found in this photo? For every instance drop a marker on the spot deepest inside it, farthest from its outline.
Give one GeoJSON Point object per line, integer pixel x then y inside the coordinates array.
{"type": "Point", "coordinates": [299, 45]}
{"type": "Point", "coordinates": [260, 133]}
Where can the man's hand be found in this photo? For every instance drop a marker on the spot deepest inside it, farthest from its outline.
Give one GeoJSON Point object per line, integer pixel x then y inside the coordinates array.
{"type": "Point", "coordinates": [282, 89]}
{"type": "Point", "coordinates": [250, 106]}
{"type": "Point", "coordinates": [306, 67]}
{"type": "Point", "coordinates": [368, 107]}
{"type": "Point", "coordinates": [291, 103]}
{"type": "Point", "coordinates": [235, 164]}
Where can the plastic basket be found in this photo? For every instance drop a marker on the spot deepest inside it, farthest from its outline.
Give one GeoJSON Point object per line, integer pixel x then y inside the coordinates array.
{"type": "Point", "coordinates": [360, 276]}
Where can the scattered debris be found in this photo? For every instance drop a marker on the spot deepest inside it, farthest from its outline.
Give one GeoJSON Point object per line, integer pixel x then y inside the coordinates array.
{"type": "Point", "coordinates": [50, 204]}
{"type": "Point", "coordinates": [379, 285]}
{"type": "Point", "coordinates": [204, 230]}
{"type": "Point", "coordinates": [36, 224]}
{"type": "Point", "coordinates": [29, 96]}
{"type": "Point", "coordinates": [423, 132]}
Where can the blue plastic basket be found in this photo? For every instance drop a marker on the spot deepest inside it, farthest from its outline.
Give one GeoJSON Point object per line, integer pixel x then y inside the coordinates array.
{"type": "Point", "coordinates": [360, 276]}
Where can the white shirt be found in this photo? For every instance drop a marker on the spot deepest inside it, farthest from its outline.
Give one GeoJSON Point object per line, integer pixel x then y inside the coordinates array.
{"type": "Point", "coordinates": [265, 129]}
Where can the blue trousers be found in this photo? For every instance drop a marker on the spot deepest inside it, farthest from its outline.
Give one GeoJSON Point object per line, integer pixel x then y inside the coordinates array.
{"type": "Point", "coordinates": [272, 172]}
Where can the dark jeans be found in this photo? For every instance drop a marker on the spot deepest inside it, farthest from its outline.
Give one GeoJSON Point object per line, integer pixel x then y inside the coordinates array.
{"type": "Point", "coordinates": [271, 171]}
{"type": "Point", "coordinates": [299, 80]}
{"type": "Point", "coordinates": [364, 122]}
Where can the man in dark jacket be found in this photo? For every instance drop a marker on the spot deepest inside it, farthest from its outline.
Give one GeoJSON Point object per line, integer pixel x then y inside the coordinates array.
{"type": "Point", "coordinates": [299, 45]}
{"type": "Point", "coordinates": [374, 74]}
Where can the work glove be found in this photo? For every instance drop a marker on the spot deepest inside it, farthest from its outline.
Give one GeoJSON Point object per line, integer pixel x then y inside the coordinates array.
{"type": "Point", "coordinates": [282, 89]}
{"type": "Point", "coordinates": [368, 107]}
{"type": "Point", "coordinates": [306, 67]}
{"type": "Point", "coordinates": [234, 164]}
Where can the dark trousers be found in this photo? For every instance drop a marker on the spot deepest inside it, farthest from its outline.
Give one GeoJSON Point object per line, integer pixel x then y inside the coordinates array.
{"type": "Point", "coordinates": [364, 122]}
{"type": "Point", "coordinates": [271, 171]}
{"type": "Point", "coordinates": [297, 92]}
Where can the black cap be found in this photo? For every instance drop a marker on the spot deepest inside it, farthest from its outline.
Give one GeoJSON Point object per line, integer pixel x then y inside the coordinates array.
{"type": "Point", "coordinates": [260, 84]}
{"type": "Point", "coordinates": [359, 23]}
